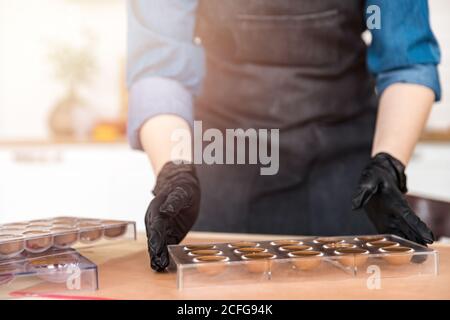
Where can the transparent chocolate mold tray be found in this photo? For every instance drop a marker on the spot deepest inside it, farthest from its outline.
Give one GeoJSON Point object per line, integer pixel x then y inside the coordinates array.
{"type": "Point", "coordinates": [53, 272]}
{"type": "Point", "coordinates": [300, 259]}
{"type": "Point", "coordinates": [38, 236]}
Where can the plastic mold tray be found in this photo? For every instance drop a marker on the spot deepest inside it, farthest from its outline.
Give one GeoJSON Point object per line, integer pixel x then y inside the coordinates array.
{"type": "Point", "coordinates": [299, 259]}
{"type": "Point", "coordinates": [38, 236]}
{"type": "Point", "coordinates": [56, 271]}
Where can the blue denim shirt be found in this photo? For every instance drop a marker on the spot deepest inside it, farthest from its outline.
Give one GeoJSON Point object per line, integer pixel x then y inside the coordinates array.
{"type": "Point", "coordinates": [166, 66]}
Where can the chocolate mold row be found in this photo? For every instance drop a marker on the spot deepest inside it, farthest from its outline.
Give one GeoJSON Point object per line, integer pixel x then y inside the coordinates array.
{"type": "Point", "coordinates": [38, 236]}
{"type": "Point", "coordinates": [327, 246]}
{"type": "Point", "coordinates": [300, 259]}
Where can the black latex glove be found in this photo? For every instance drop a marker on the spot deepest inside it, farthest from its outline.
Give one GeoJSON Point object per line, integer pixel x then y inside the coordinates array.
{"type": "Point", "coordinates": [172, 212]}
{"type": "Point", "coordinates": [381, 193]}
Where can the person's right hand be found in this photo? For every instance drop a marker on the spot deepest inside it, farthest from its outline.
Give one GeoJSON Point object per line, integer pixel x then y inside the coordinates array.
{"type": "Point", "coordinates": [381, 194]}
{"type": "Point", "coordinates": [173, 211]}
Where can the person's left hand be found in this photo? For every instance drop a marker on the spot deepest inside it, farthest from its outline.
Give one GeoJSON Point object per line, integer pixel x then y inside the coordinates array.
{"type": "Point", "coordinates": [381, 194]}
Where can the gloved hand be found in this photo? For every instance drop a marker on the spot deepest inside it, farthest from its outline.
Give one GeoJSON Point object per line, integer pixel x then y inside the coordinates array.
{"type": "Point", "coordinates": [172, 212]}
{"type": "Point", "coordinates": [381, 193]}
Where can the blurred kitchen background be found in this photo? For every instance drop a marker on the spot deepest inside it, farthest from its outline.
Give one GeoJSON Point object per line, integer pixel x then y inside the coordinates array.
{"type": "Point", "coordinates": [63, 108]}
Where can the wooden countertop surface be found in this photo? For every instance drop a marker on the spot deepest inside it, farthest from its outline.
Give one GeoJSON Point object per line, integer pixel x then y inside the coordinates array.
{"type": "Point", "coordinates": [124, 273]}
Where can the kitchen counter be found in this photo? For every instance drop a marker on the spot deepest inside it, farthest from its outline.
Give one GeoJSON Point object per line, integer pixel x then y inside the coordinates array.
{"type": "Point", "coordinates": [37, 172]}
{"type": "Point", "coordinates": [124, 273]}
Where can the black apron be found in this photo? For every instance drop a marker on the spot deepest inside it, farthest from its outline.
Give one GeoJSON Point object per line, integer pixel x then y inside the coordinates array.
{"type": "Point", "coordinates": [299, 66]}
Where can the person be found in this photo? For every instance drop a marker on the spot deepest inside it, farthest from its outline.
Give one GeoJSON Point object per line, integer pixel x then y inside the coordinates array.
{"type": "Point", "coordinates": [349, 113]}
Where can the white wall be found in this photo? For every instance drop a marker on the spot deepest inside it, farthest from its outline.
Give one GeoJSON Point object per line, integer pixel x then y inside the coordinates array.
{"type": "Point", "coordinates": [440, 22]}
{"type": "Point", "coordinates": [27, 87]}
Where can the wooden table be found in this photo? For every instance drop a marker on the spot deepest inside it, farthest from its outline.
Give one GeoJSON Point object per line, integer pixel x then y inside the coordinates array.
{"type": "Point", "coordinates": [125, 274]}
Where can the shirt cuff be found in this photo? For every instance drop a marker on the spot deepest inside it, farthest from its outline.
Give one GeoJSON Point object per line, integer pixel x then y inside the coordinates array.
{"type": "Point", "coordinates": [154, 96]}
{"type": "Point", "coordinates": [423, 74]}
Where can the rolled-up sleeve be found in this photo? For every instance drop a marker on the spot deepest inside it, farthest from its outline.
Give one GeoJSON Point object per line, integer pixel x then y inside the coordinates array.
{"type": "Point", "coordinates": [404, 48]}
{"type": "Point", "coordinates": [165, 67]}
